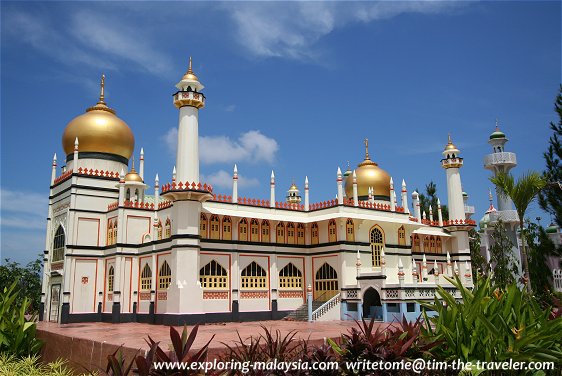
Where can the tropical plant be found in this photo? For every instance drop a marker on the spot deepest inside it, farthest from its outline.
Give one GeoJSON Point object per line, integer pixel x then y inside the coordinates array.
{"type": "Point", "coordinates": [478, 261]}
{"type": "Point", "coordinates": [550, 199]}
{"type": "Point", "coordinates": [502, 261]}
{"type": "Point", "coordinates": [28, 279]}
{"type": "Point", "coordinates": [541, 247]}
{"type": "Point", "coordinates": [31, 366]}
{"type": "Point", "coordinates": [522, 192]}
{"type": "Point", "coordinates": [17, 334]}
{"type": "Point", "coordinates": [492, 324]}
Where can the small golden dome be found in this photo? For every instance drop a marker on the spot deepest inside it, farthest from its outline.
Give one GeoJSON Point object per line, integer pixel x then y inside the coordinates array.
{"type": "Point", "coordinates": [133, 176]}
{"type": "Point", "coordinates": [99, 130]}
{"type": "Point", "coordinates": [189, 75]}
{"type": "Point", "coordinates": [369, 174]}
{"type": "Point", "coordinates": [450, 145]}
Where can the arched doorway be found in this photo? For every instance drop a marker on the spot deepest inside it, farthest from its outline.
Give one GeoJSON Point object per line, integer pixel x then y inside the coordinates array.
{"type": "Point", "coordinates": [326, 283]}
{"type": "Point", "coordinates": [372, 306]}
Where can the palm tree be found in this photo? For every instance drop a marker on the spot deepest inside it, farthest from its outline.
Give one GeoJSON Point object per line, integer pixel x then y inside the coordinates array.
{"type": "Point", "coordinates": [522, 192]}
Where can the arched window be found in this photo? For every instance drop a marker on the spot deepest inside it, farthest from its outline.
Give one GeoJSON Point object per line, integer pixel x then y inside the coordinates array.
{"type": "Point", "coordinates": [326, 283]}
{"type": "Point", "coordinates": [110, 278]}
{"type": "Point", "coordinates": [159, 230]}
{"type": "Point", "coordinates": [110, 233]}
{"type": "Point", "coordinates": [290, 277]}
{"type": "Point", "coordinates": [377, 245]}
{"type": "Point", "coordinates": [226, 228]}
{"type": "Point", "coordinates": [438, 245]}
{"type": "Point", "coordinates": [115, 232]}
{"type": "Point", "coordinates": [401, 236]}
{"type": "Point", "coordinates": [332, 237]}
{"type": "Point", "coordinates": [432, 244]}
{"type": "Point", "coordinates": [203, 226]}
{"type": "Point", "coordinates": [165, 276]}
{"type": "Point", "coordinates": [243, 230]}
{"type": "Point", "coordinates": [349, 230]}
{"type": "Point", "coordinates": [254, 230]}
{"type": "Point", "coordinates": [146, 278]}
{"type": "Point", "coordinates": [416, 243]}
{"type": "Point", "coordinates": [213, 276]}
{"type": "Point", "coordinates": [168, 228]}
{"type": "Point", "coordinates": [280, 233]}
{"type": "Point", "coordinates": [128, 194]}
{"type": "Point", "coordinates": [254, 277]}
{"type": "Point", "coordinates": [265, 237]}
{"type": "Point", "coordinates": [300, 234]}
{"type": "Point", "coordinates": [136, 194]}
{"type": "Point", "coordinates": [215, 227]}
{"type": "Point", "coordinates": [426, 248]}
{"type": "Point", "coordinates": [314, 233]}
{"type": "Point", "coordinates": [290, 233]}
{"type": "Point", "coordinates": [59, 243]}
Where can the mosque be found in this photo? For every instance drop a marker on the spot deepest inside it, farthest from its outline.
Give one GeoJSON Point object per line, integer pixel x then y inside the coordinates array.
{"type": "Point", "coordinates": [117, 251]}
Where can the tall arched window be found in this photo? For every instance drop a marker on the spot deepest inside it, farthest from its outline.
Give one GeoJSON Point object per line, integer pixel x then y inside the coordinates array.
{"type": "Point", "coordinates": [215, 227]}
{"type": "Point", "coordinates": [377, 245]}
{"type": "Point", "coordinates": [280, 233]}
{"type": "Point", "coordinates": [165, 276]}
{"type": "Point", "coordinates": [146, 278]}
{"type": "Point", "coordinates": [203, 226]}
{"type": "Point", "coordinates": [401, 236]}
{"type": "Point", "coordinates": [168, 228]}
{"type": "Point", "coordinates": [110, 233]}
{"type": "Point", "coordinates": [332, 237]}
{"type": "Point", "coordinates": [159, 229]}
{"type": "Point", "coordinates": [59, 243]}
{"type": "Point", "coordinates": [213, 276]}
{"type": "Point", "coordinates": [243, 230]}
{"type": "Point", "coordinates": [290, 277]}
{"type": "Point", "coordinates": [432, 244]}
{"type": "Point", "coordinates": [265, 237]}
{"type": "Point", "coordinates": [290, 233]}
{"type": "Point", "coordinates": [110, 278]}
{"type": "Point", "coordinates": [128, 194]}
{"type": "Point", "coordinates": [349, 230]}
{"type": "Point", "coordinates": [326, 283]}
{"type": "Point", "coordinates": [416, 243]}
{"type": "Point", "coordinates": [115, 232]}
{"type": "Point", "coordinates": [426, 248]}
{"type": "Point", "coordinates": [227, 228]}
{"type": "Point", "coordinates": [314, 233]}
{"type": "Point", "coordinates": [254, 230]}
{"type": "Point", "coordinates": [438, 245]}
{"type": "Point", "coordinates": [300, 234]}
{"type": "Point", "coordinates": [254, 277]}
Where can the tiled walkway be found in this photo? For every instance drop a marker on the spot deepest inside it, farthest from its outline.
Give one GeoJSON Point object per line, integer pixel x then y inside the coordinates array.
{"type": "Point", "coordinates": [86, 345]}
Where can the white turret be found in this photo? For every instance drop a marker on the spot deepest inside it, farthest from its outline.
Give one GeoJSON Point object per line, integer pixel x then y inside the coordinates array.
{"type": "Point", "coordinates": [439, 213]}
{"type": "Point", "coordinates": [400, 271]}
{"type": "Point", "coordinates": [452, 163]}
{"type": "Point", "coordinates": [306, 196]}
{"type": "Point", "coordinates": [156, 192]}
{"type": "Point", "coordinates": [436, 272]}
{"type": "Point", "coordinates": [339, 180]}
{"type": "Point", "coordinates": [174, 175]}
{"type": "Point", "coordinates": [424, 268]}
{"type": "Point", "coordinates": [75, 164]}
{"type": "Point", "coordinates": [405, 197]}
{"type": "Point", "coordinates": [235, 185]}
{"type": "Point", "coordinates": [188, 100]}
{"type": "Point", "coordinates": [54, 169]}
{"type": "Point", "coordinates": [293, 195]}
{"type": "Point", "coordinates": [449, 265]}
{"type": "Point", "coordinates": [122, 187]}
{"type": "Point", "coordinates": [430, 213]}
{"type": "Point", "coordinates": [141, 164]}
{"type": "Point", "coordinates": [414, 272]}
{"type": "Point", "coordinates": [392, 196]}
{"type": "Point", "coordinates": [416, 203]}
{"type": "Point", "coordinates": [272, 190]}
{"type": "Point", "coordinates": [355, 196]}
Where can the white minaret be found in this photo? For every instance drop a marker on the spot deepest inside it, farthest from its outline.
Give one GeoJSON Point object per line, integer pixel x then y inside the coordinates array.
{"type": "Point", "coordinates": [235, 184]}
{"type": "Point", "coordinates": [54, 169]}
{"type": "Point", "coordinates": [272, 190]}
{"type": "Point", "coordinates": [306, 197]}
{"type": "Point", "coordinates": [75, 160]}
{"type": "Point", "coordinates": [355, 196]}
{"type": "Point", "coordinates": [339, 180]}
{"type": "Point", "coordinates": [416, 203]}
{"type": "Point", "coordinates": [189, 100]}
{"type": "Point", "coordinates": [122, 187]}
{"type": "Point", "coordinates": [452, 163]}
{"type": "Point", "coordinates": [141, 164]}
{"type": "Point", "coordinates": [439, 213]}
{"type": "Point", "coordinates": [392, 196]}
{"type": "Point", "coordinates": [405, 197]}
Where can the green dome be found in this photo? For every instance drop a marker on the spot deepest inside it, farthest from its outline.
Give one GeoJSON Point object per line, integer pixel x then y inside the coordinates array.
{"type": "Point", "coordinates": [497, 134]}
{"type": "Point", "coordinates": [484, 221]}
{"type": "Point", "coordinates": [552, 229]}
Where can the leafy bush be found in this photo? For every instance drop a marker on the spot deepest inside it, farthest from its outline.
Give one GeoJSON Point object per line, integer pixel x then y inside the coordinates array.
{"type": "Point", "coordinates": [28, 279]}
{"type": "Point", "coordinates": [492, 325]}
{"type": "Point", "coordinates": [17, 335]}
{"type": "Point", "coordinates": [30, 366]}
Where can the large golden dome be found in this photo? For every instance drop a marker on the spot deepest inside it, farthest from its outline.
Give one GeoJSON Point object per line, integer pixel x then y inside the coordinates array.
{"type": "Point", "coordinates": [99, 130]}
{"type": "Point", "coordinates": [369, 174]}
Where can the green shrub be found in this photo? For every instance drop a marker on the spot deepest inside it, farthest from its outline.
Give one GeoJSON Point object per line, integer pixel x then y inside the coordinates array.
{"type": "Point", "coordinates": [17, 335]}
{"type": "Point", "coordinates": [493, 325]}
{"type": "Point", "coordinates": [30, 366]}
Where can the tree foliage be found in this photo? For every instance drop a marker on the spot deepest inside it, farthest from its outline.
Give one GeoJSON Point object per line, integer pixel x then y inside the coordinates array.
{"type": "Point", "coordinates": [429, 198]}
{"type": "Point", "coordinates": [503, 263]}
{"type": "Point", "coordinates": [478, 261]}
{"type": "Point", "coordinates": [28, 281]}
{"type": "Point", "coordinates": [550, 199]}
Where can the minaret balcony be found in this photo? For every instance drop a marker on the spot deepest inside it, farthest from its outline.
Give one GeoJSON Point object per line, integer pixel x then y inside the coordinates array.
{"type": "Point", "coordinates": [504, 159]}
{"type": "Point", "coordinates": [506, 216]}
{"type": "Point", "coordinates": [189, 98]}
{"type": "Point", "coordinates": [468, 209]}
{"type": "Point", "coordinates": [452, 162]}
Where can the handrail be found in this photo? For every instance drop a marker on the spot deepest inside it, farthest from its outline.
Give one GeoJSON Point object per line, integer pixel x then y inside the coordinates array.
{"type": "Point", "coordinates": [320, 311]}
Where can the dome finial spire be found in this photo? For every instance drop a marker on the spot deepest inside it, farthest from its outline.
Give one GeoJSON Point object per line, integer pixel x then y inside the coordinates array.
{"type": "Point", "coordinates": [366, 148]}
{"type": "Point", "coordinates": [497, 124]}
{"type": "Point", "coordinates": [102, 86]}
{"type": "Point", "coordinates": [189, 70]}
{"type": "Point", "coordinates": [449, 139]}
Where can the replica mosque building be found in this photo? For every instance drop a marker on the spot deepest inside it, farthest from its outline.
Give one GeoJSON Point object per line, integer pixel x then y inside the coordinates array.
{"type": "Point", "coordinates": [185, 254]}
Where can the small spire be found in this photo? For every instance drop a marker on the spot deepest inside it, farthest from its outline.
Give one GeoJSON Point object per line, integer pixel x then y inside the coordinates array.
{"type": "Point", "coordinates": [348, 166]}
{"type": "Point", "coordinates": [339, 172]}
{"type": "Point", "coordinates": [235, 169]}
{"type": "Point", "coordinates": [189, 70]}
{"type": "Point", "coordinates": [122, 175]}
{"type": "Point", "coordinates": [142, 153]}
{"type": "Point", "coordinates": [497, 125]}
{"type": "Point", "coordinates": [306, 181]}
{"type": "Point", "coordinates": [133, 167]}
{"type": "Point", "coordinates": [403, 183]}
{"type": "Point", "coordinates": [55, 159]}
{"type": "Point", "coordinates": [272, 175]}
{"type": "Point", "coordinates": [400, 265]}
{"type": "Point", "coordinates": [450, 141]}
{"type": "Point", "coordinates": [366, 148]}
{"type": "Point", "coordinates": [358, 255]}
{"type": "Point", "coordinates": [156, 179]}
{"type": "Point", "coordinates": [102, 87]}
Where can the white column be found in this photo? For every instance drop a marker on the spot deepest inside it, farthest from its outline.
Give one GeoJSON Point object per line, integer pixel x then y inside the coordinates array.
{"type": "Point", "coordinates": [235, 185]}
{"type": "Point", "coordinates": [141, 164]}
{"type": "Point", "coordinates": [454, 195]}
{"type": "Point", "coordinates": [121, 188]}
{"type": "Point", "coordinates": [340, 187]}
{"type": "Point", "coordinates": [392, 196]}
{"type": "Point", "coordinates": [436, 272]}
{"type": "Point", "coordinates": [414, 272]}
{"type": "Point", "coordinates": [439, 213]}
{"type": "Point", "coordinates": [430, 213]}
{"type": "Point", "coordinates": [467, 273]}
{"type": "Point", "coordinates": [400, 271]}
{"type": "Point", "coordinates": [272, 190]}
{"type": "Point", "coordinates": [174, 175]}
{"type": "Point", "coordinates": [456, 269]}
{"type": "Point", "coordinates": [405, 198]}
{"type": "Point", "coordinates": [306, 197]}
{"type": "Point", "coordinates": [54, 169]}
{"type": "Point", "coordinates": [187, 160]}
{"type": "Point", "coordinates": [424, 269]}
{"type": "Point", "coordinates": [358, 266]}
{"type": "Point", "coordinates": [416, 202]}
{"type": "Point", "coordinates": [75, 161]}
{"type": "Point", "coordinates": [355, 195]}
{"type": "Point", "coordinates": [449, 265]}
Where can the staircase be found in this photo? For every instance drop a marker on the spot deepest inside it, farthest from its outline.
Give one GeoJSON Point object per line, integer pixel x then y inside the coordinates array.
{"type": "Point", "coordinates": [301, 313]}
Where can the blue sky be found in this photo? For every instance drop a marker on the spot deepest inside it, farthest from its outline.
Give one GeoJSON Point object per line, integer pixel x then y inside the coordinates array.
{"type": "Point", "coordinates": [293, 87]}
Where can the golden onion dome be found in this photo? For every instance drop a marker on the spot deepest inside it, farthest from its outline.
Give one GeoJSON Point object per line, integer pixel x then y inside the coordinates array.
{"type": "Point", "coordinates": [369, 174]}
{"type": "Point", "coordinates": [99, 130]}
{"type": "Point", "coordinates": [133, 176]}
{"type": "Point", "coordinates": [450, 146]}
{"type": "Point", "coordinates": [189, 75]}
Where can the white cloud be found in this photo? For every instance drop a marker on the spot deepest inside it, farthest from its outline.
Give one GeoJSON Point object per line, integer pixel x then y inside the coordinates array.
{"type": "Point", "coordinates": [23, 202]}
{"type": "Point", "coordinates": [251, 146]}
{"type": "Point", "coordinates": [290, 29]}
{"type": "Point", "coordinates": [223, 179]}
{"type": "Point", "coordinates": [230, 108]}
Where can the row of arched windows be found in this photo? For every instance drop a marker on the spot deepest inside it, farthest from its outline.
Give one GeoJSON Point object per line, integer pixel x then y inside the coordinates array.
{"type": "Point", "coordinates": [431, 244]}
{"type": "Point", "coordinates": [164, 277]}
{"type": "Point", "coordinates": [112, 232]}
{"type": "Point", "coordinates": [167, 229]}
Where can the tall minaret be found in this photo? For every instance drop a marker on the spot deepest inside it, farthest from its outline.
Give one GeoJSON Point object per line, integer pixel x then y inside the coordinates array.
{"type": "Point", "coordinates": [452, 163]}
{"type": "Point", "coordinates": [189, 100]}
{"type": "Point", "coordinates": [500, 161]}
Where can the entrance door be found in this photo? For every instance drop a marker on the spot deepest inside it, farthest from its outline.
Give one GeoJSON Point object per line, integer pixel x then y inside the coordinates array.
{"type": "Point", "coordinates": [372, 304]}
{"type": "Point", "coordinates": [326, 283]}
{"type": "Point", "coordinates": [54, 305]}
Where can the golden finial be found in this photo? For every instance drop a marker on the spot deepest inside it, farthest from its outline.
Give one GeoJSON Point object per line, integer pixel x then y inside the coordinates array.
{"type": "Point", "coordinates": [189, 70]}
{"type": "Point", "coordinates": [497, 124]}
{"type": "Point", "coordinates": [450, 141]}
{"type": "Point", "coordinates": [366, 148]}
{"type": "Point", "coordinates": [133, 167]}
{"type": "Point", "coordinates": [102, 85]}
